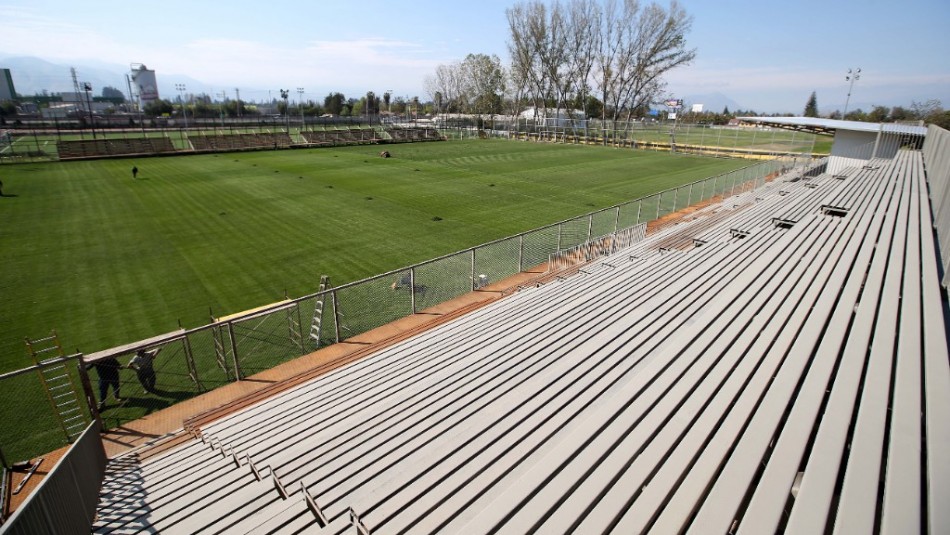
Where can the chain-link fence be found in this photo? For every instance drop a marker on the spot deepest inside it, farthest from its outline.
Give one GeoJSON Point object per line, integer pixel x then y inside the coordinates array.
{"type": "Point", "coordinates": [755, 142]}
{"type": "Point", "coordinates": [185, 363]}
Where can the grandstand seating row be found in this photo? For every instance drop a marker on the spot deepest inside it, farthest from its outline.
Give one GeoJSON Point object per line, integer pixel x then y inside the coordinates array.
{"type": "Point", "coordinates": [240, 141]}
{"type": "Point", "coordinates": [228, 142]}
{"type": "Point", "coordinates": [348, 136]}
{"type": "Point", "coordinates": [765, 366]}
{"type": "Point", "coordinates": [111, 147]}
{"type": "Point", "coordinates": [400, 134]}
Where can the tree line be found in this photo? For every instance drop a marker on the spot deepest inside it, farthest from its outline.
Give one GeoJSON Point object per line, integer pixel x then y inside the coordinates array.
{"type": "Point", "coordinates": [606, 59]}
{"type": "Point", "coordinates": [929, 111]}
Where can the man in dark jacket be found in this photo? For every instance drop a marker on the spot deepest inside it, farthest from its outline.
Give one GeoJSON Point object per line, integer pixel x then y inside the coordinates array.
{"type": "Point", "coordinates": [108, 372]}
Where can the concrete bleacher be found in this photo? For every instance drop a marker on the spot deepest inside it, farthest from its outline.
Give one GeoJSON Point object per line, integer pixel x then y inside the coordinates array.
{"type": "Point", "coordinates": [407, 134]}
{"type": "Point", "coordinates": [233, 142]}
{"type": "Point", "coordinates": [346, 136]}
{"type": "Point", "coordinates": [95, 148]}
{"type": "Point", "coordinates": [769, 378]}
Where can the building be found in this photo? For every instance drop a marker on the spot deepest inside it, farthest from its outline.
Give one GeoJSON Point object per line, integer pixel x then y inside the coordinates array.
{"type": "Point", "coordinates": [144, 84]}
{"type": "Point", "coordinates": [7, 91]}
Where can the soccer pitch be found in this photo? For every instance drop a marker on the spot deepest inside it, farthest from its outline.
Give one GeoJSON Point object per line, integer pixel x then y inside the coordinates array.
{"type": "Point", "coordinates": [107, 260]}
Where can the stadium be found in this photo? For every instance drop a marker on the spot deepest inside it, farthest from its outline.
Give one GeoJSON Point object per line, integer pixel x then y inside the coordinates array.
{"type": "Point", "coordinates": [764, 350]}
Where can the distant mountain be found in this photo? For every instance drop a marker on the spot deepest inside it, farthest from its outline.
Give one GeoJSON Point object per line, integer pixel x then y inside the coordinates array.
{"type": "Point", "coordinates": [32, 76]}
{"type": "Point", "coordinates": [712, 102]}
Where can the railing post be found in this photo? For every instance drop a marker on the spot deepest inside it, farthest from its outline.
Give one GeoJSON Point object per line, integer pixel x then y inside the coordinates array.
{"type": "Point", "coordinates": [558, 248]}
{"type": "Point", "coordinates": [659, 199]}
{"type": "Point", "coordinates": [639, 208]}
{"type": "Point", "coordinates": [702, 195]}
{"type": "Point", "coordinates": [689, 196]}
{"type": "Point", "coordinates": [234, 353]}
{"type": "Point", "coordinates": [675, 194]}
{"type": "Point", "coordinates": [590, 226]}
{"type": "Point", "coordinates": [617, 220]}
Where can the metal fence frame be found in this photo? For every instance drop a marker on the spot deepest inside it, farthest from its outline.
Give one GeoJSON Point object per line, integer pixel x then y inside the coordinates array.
{"type": "Point", "coordinates": [232, 348]}
{"type": "Point", "coordinates": [65, 501]}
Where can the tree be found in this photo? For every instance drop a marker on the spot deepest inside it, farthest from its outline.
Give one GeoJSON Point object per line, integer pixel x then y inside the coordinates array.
{"type": "Point", "coordinates": [157, 108]}
{"type": "Point", "coordinates": [811, 107]}
{"type": "Point", "coordinates": [483, 83]}
{"type": "Point", "coordinates": [900, 113]}
{"type": "Point", "coordinates": [333, 103]}
{"type": "Point", "coordinates": [924, 109]}
{"type": "Point", "coordinates": [372, 104]}
{"type": "Point", "coordinates": [557, 49]}
{"type": "Point", "coordinates": [113, 94]}
{"type": "Point", "coordinates": [725, 111]}
{"type": "Point", "coordinates": [878, 114]}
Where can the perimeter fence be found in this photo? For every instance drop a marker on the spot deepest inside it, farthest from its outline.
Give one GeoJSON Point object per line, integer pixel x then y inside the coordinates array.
{"type": "Point", "coordinates": [732, 141]}
{"type": "Point", "coordinates": [188, 362]}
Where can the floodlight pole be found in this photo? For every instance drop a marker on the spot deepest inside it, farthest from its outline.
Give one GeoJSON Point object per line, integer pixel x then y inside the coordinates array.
{"type": "Point", "coordinates": [850, 77]}
{"type": "Point", "coordinates": [88, 89]}
{"type": "Point", "coordinates": [181, 91]}
{"type": "Point", "coordinates": [300, 104]}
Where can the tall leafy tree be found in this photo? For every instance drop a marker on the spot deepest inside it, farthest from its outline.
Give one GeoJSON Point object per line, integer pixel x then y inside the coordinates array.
{"type": "Point", "coordinates": [334, 103]}
{"type": "Point", "coordinates": [811, 107]}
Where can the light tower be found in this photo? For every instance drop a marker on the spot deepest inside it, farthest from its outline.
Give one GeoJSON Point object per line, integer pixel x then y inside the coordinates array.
{"type": "Point", "coordinates": [181, 91]}
{"type": "Point", "coordinates": [852, 76]}
{"type": "Point", "coordinates": [300, 104]}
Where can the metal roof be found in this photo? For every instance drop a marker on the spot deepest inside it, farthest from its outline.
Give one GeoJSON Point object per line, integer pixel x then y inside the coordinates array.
{"type": "Point", "coordinates": [830, 126]}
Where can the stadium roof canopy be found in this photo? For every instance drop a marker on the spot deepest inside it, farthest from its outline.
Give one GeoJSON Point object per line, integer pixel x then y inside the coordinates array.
{"type": "Point", "coordinates": [818, 125]}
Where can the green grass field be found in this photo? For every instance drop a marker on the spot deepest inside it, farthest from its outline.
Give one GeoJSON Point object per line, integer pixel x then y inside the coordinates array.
{"type": "Point", "coordinates": [106, 260]}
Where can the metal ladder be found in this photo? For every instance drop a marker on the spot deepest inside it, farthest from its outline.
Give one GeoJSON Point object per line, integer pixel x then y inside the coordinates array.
{"type": "Point", "coordinates": [60, 387]}
{"type": "Point", "coordinates": [316, 326]}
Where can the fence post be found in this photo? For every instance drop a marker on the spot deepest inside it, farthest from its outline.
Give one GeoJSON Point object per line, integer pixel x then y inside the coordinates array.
{"type": "Point", "coordinates": [336, 315]}
{"type": "Point", "coordinates": [234, 353]}
{"type": "Point", "coordinates": [558, 248]}
{"type": "Point", "coordinates": [702, 195]}
{"type": "Point", "coordinates": [412, 289]}
{"type": "Point", "coordinates": [520, 253]}
{"type": "Point", "coordinates": [617, 219]}
{"type": "Point", "coordinates": [87, 392]}
{"type": "Point", "coordinates": [659, 199]}
{"type": "Point", "coordinates": [689, 196]}
{"type": "Point", "coordinates": [473, 270]}
{"type": "Point", "coordinates": [590, 226]}
{"type": "Point", "coordinates": [675, 195]}
{"type": "Point", "coordinates": [639, 208]}
{"type": "Point", "coordinates": [190, 361]}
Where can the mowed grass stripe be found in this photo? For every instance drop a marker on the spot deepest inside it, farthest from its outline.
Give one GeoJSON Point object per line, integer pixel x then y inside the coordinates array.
{"type": "Point", "coordinates": [107, 260]}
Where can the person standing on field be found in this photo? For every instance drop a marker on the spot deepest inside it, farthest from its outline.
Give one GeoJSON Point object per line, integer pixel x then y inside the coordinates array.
{"type": "Point", "coordinates": [135, 171]}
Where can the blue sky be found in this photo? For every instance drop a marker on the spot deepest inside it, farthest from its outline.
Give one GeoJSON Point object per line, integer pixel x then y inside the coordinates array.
{"type": "Point", "coordinates": [767, 56]}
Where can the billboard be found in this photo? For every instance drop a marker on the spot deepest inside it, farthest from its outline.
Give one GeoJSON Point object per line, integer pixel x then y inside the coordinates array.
{"type": "Point", "coordinates": [674, 103]}
{"type": "Point", "coordinates": [697, 108]}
